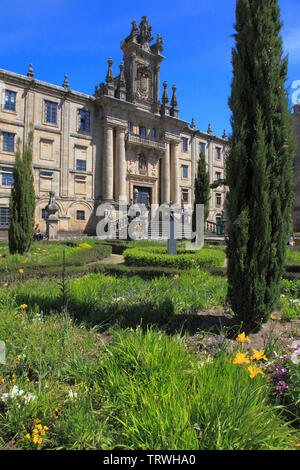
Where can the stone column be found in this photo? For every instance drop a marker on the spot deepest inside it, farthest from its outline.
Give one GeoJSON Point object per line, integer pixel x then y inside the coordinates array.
{"type": "Point", "coordinates": [166, 174]}
{"type": "Point", "coordinates": [211, 176]}
{"type": "Point", "coordinates": [108, 162]}
{"type": "Point", "coordinates": [193, 166]}
{"type": "Point", "coordinates": [175, 173]}
{"type": "Point", "coordinates": [122, 163]}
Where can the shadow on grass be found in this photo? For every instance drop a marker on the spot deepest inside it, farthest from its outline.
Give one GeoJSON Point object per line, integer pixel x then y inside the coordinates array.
{"type": "Point", "coordinates": [130, 314]}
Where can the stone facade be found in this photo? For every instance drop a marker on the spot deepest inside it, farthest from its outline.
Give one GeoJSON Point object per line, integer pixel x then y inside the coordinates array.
{"type": "Point", "coordinates": [101, 147]}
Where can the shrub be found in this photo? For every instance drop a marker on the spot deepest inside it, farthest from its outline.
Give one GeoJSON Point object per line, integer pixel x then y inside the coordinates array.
{"type": "Point", "coordinates": [157, 256]}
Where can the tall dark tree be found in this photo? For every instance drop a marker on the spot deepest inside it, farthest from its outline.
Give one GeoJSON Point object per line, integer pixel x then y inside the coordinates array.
{"type": "Point", "coordinates": [201, 188]}
{"type": "Point", "coordinates": [259, 168]}
{"type": "Point", "coordinates": [22, 200]}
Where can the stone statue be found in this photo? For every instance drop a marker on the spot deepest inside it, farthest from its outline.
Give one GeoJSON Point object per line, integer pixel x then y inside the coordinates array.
{"type": "Point", "coordinates": [52, 219]}
{"type": "Point", "coordinates": [52, 206]}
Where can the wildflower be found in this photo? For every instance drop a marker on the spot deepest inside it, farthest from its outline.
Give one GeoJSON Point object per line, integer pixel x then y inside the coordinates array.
{"type": "Point", "coordinates": [254, 371]}
{"type": "Point", "coordinates": [258, 355]}
{"type": "Point", "coordinates": [27, 436]}
{"type": "Point", "coordinates": [56, 413]}
{"type": "Point", "coordinates": [176, 276]}
{"type": "Point", "coordinates": [35, 439]}
{"type": "Point", "coordinates": [37, 421]}
{"type": "Point", "coordinates": [241, 358]}
{"type": "Point", "coordinates": [23, 306]}
{"type": "Point", "coordinates": [242, 338]}
{"type": "Point", "coordinates": [5, 285]}
{"type": "Point", "coordinates": [21, 271]}
{"type": "Point", "coordinates": [273, 317]}
{"type": "Point", "coordinates": [17, 360]}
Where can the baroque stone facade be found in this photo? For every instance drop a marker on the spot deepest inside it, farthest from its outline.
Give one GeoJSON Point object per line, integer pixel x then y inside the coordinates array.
{"type": "Point", "coordinates": [107, 146]}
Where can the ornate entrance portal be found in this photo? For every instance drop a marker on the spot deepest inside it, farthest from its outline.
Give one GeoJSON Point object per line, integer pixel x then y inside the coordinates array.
{"type": "Point", "coordinates": [143, 195]}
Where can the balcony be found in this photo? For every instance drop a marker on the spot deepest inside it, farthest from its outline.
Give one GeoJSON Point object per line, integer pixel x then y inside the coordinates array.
{"type": "Point", "coordinates": [146, 141]}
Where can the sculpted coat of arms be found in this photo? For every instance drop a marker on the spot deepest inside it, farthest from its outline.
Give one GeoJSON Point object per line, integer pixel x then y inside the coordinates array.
{"type": "Point", "coordinates": [143, 83]}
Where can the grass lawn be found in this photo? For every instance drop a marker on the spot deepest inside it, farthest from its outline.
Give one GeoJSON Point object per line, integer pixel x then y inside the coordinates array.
{"type": "Point", "coordinates": [103, 362]}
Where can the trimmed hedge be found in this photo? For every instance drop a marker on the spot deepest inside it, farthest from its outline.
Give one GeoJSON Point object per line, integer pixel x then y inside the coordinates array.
{"type": "Point", "coordinates": [76, 264]}
{"type": "Point", "coordinates": [158, 256]}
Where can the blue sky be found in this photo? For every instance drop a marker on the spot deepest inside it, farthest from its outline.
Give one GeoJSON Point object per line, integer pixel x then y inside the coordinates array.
{"type": "Point", "coordinates": [77, 37]}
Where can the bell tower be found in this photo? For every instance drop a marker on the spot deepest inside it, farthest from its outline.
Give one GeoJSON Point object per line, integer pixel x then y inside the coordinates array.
{"type": "Point", "coordinates": [142, 66]}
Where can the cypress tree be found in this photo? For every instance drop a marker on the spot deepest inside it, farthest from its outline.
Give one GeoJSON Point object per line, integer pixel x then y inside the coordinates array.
{"type": "Point", "coordinates": [22, 201]}
{"type": "Point", "coordinates": [201, 189]}
{"type": "Point", "coordinates": [259, 168]}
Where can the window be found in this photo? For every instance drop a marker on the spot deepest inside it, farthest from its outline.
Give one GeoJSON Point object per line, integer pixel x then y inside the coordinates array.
{"type": "Point", "coordinates": [44, 214]}
{"type": "Point", "coordinates": [143, 131]}
{"type": "Point", "coordinates": [80, 215]}
{"type": "Point", "coordinates": [218, 153]}
{"type": "Point", "coordinates": [185, 195]}
{"type": "Point", "coordinates": [81, 165]}
{"type": "Point", "coordinates": [154, 133]}
{"type": "Point", "coordinates": [4, 216]}
{"type": "Point", "coordinates": [8, 142]}
{"type": "Point", "coordinates": [84, 120]}
{"type": "Point", "coordinates": [184, 144]}
{"type": "Point", "coordinates": [218, 200]}
{"type": "Point", "coordinates": [184, 171]}
{"type": "Point", "coordinates": [10, 100]}
{"type": "Point", "coordinates": [7, 177]}
{"type": "Point", "coordinates": [46, 173]}
{"type": "Point", "coordinates": [51, 112]}
{"type": "Point", "coordinates": [218, 175]}
{"type": "Point", "coordinates": [129, 127]}
{"type": "Point", "coordinates": [202, 147]}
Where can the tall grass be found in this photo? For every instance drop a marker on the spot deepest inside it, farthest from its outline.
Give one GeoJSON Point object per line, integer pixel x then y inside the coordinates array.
{"type": "Point", "coordinates": [134, 389]}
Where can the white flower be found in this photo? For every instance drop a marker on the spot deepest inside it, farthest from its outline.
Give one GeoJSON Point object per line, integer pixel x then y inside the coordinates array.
{"type": "Point", "coordinates": [4, 397]}
{"type": "Point", "coordinates": [72, 395]}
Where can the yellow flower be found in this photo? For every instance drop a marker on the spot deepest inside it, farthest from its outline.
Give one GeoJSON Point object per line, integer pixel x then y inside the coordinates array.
{"type": "Point", "coordinates": [46, 428]}
{"type": "Point", "coordinates": [273, 317]}
{"type": "Point", "coordinates": [21, 271]}
{"type": "Point", "coordinates": [176, 276]}
{"type": "Point", "coordinates": [241, 358]}
{"type": "Point", "coordinates": [38, 248]}
{"type": "Point", "coordinates": [242, 338]}
{"type": "Point", "coordinates": [23, 306]}
{"type": "Point", "coordinates": [5, 285]}
{"type": "Point", "coordinates": [27, 436]}
{"type": "Point", "coordinates": [36, 421]}
{"type": "Point", "coordinates": [0, 255]}
{"type": "Point", "coordinates": [40, 441]}
{"type": "Point", "coordinates": [35, 439]}
{"type": "Point", "coordinates": [258, 355]}
{"type": "Point", "coordinates": [42, 432]}
{"type": "Point", "coordinates": [254, 371]}
{"type": "Point", "coordinates": [17, 360]}
{"type": "Point", "coordinates": [39, 426]}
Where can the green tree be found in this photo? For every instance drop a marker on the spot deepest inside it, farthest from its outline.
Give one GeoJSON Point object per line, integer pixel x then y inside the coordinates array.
{"type": "Point", "coordinates": [201, 189]}
{"type": "Point", "coordinates": [22, 200]}
{"type": "Point", "coordinates": [259, 167]}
